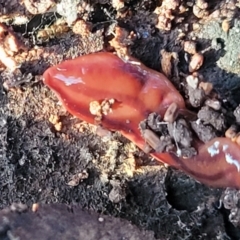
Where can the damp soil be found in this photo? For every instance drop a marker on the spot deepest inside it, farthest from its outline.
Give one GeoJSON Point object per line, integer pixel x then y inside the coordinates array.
{"type": "Point", "coordinates": [49, 157]}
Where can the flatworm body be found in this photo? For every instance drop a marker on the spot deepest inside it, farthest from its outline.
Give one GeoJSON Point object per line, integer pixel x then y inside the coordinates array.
{"type": "Point", "coordinates": [138, 91]}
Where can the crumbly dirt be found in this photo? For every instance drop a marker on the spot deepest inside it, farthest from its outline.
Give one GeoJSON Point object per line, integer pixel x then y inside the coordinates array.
{"type": "Point", "coordinates": [48, 156]}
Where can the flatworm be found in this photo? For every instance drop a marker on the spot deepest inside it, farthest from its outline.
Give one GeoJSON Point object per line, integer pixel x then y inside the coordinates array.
{"type": "Point", "coordinates": [138, 91]}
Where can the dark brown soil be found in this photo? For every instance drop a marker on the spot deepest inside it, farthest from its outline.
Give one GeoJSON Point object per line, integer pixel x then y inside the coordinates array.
{"type": "Point", "coordinates": [44, 162]}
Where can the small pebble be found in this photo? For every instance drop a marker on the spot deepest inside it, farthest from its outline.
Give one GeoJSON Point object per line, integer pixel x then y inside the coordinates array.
{"type": "Point", "coordinates": [202, 4]}
{"type": "Point", "coordinates": [95, 108]}
{"type": "Point", "coordinates": [190, 47]}
{"type": "Point", "coordinates": [58, 126]}
{"type": "Point", "coordinates": [151, 138]}
{"type": "Point", "coordinates": [196, 96]}
{"type": "Point", "coordinates": [225, 25]}
{"type": "Point", "coordinates": [35, 207]}
{"type": "Point", "coordinates": [204, 132]}
{"type": "Point", "coordinates": [54, 119]}
{"type": "Point", "coordinates": [181, 133]}
{"type": "Point", "coordinates": [214, 104]}
{"type": "Point", "coordinates": [206, 86]}
{"type": "Point", "coordinates": [212, 117]}
{"type": "Point", "coordinates": [192, 81]}
{"type": "Point", "coordinates": [196, 62]}
{"type": "Point", "coordinates": [231, 132]}
{"type": "Point", "coordinates": [196, 26]}
{"type": "Point", "coordinates": [171, 113]}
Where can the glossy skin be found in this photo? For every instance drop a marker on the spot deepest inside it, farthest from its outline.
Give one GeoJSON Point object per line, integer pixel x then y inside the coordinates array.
{"type": "Point", "coordinates": [138, 91]}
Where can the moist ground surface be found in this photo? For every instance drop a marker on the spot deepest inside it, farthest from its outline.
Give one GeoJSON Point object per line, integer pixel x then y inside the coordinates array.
{"type": "Point", "coordinates": [48, 156]}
